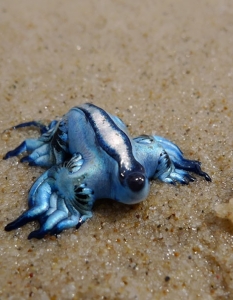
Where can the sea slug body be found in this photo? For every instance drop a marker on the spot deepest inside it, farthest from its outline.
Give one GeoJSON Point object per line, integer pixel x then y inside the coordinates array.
{"type": "Point", "coordinates": [90, 155]}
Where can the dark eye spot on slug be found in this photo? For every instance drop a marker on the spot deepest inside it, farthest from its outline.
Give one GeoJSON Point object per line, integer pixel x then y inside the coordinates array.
{"type": "Point", "coordinates": [136, 182]}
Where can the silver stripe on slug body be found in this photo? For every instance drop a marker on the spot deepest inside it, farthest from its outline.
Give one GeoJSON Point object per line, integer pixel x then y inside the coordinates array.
{"type": "Point", "coordinates": [111, 138]}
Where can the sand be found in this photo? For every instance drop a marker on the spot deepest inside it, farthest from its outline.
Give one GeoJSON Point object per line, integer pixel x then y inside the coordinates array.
{"type": "Point", "coordinates": [164, 67]}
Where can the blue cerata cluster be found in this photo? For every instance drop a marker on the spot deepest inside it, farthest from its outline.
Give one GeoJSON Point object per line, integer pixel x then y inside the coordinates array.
{"type": "Point", "coordinates": [90, 155]}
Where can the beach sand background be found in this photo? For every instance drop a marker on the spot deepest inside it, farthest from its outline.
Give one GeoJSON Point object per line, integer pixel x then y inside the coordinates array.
{"type": "Point", "coordinates": [164, 67]}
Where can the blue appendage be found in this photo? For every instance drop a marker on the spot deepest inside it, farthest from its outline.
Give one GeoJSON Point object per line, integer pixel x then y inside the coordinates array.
{"type": "Point", "coordinates": [165, 161]}
{"type": "Point", "coordinates": [50, 148]}
{"type": "Point", "coordinates": [43, 128]}
{"type": "Point", "coordinates": [56, 201]}
{"type": "Point", "coordinates": [180, 163]}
